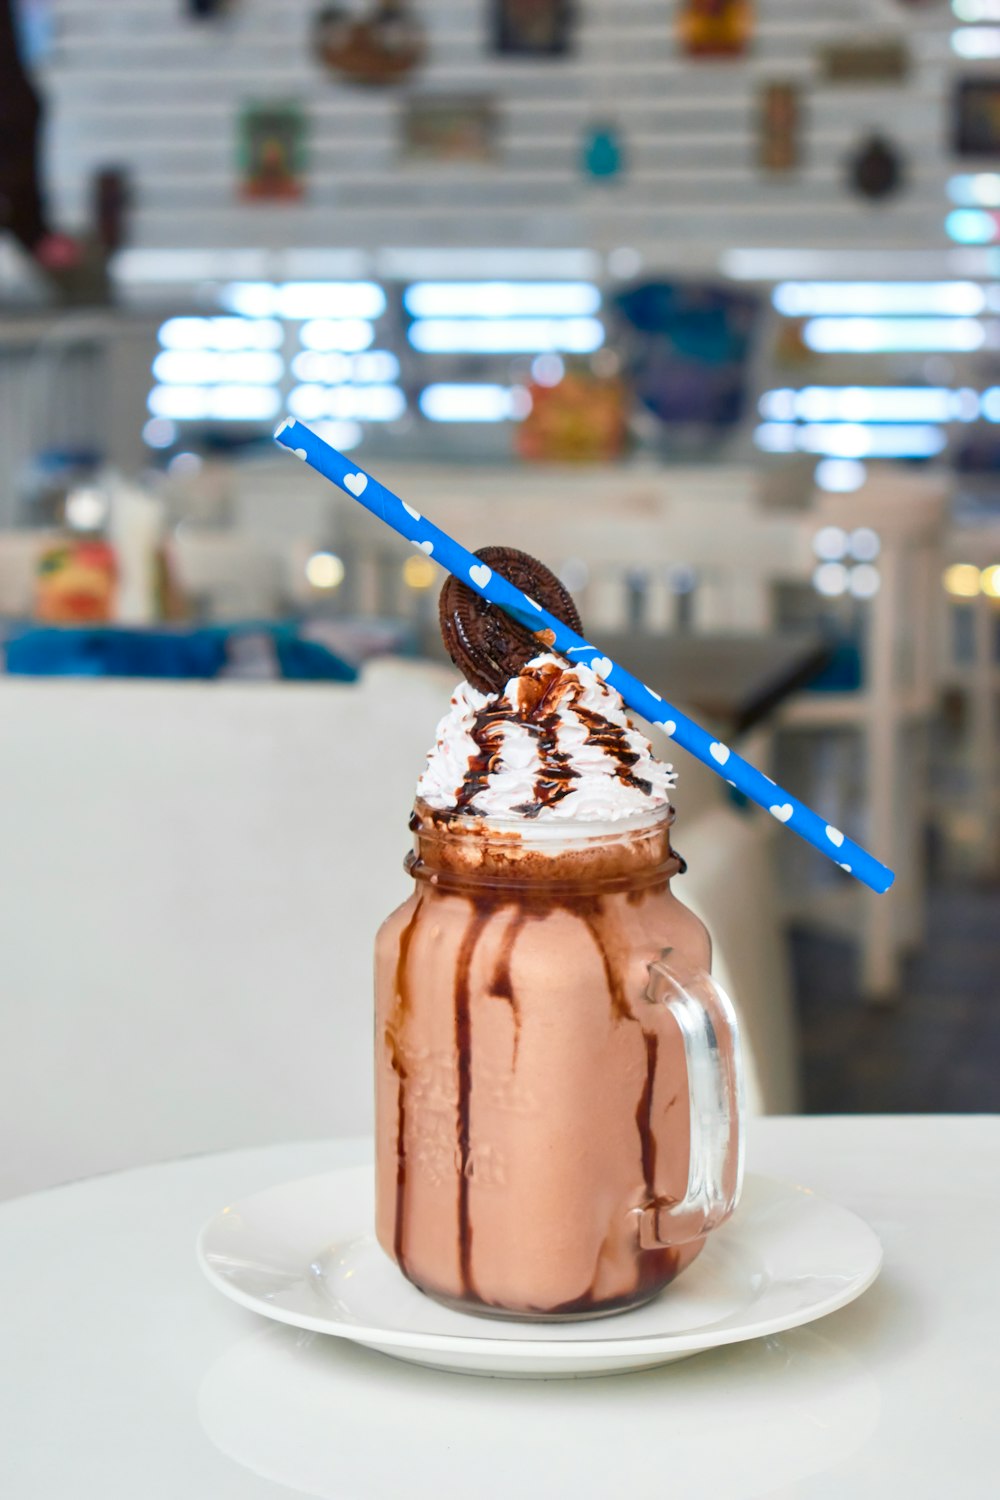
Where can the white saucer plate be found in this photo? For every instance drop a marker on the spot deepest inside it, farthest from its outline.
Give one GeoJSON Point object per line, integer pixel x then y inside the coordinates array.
{"type": "Point", "coordinates": [304, 1253]}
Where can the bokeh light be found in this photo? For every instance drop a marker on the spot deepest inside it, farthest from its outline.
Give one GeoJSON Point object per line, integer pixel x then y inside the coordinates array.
{"type": "Point", "coordinates": [963, 580]}
{"type": "Point", "coordinates": [325, 570]}
{"type": "Point", "coordinates": [419, 573]}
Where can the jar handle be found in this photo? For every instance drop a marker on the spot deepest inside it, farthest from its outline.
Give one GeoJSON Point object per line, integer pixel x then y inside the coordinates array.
{"type": "Point", "coordinates": [708, 1025]}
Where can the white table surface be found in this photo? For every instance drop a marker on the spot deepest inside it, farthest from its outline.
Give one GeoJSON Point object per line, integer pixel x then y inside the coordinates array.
{"type": "Point", "coordinates": [124, 1376]}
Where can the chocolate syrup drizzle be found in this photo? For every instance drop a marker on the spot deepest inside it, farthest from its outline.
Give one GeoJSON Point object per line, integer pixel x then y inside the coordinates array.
{"type": "Point", "coordinates": [591, 913]}
{"type": "Point", "coordinates": [487, 732]}
{"type": "Point", "coordinates": [394, 1042]}
{"type": "Point", "coordinates": [463, 1050]}
{"type": "Point", "coordinates": [654, 1267]}
{"type": "Point", "coordinates": [545, 692]}
{"type": "Point", "coordinates": [502, 984]}
{"type": "Point", "coordinates": [612, 739]}
{"type": "Point", "coordinates": [644, 1115]}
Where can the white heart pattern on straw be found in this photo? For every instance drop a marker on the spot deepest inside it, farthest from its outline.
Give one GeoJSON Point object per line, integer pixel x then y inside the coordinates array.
{"type": "Point", "coordinates": [300, 453]}
{"type": "Point", "coordinates": [657, 696]}
{"type": "Point", "coordinates": [411, 512]}
{"type": "Point", "coordinates": [334, 467]}
{"type": "Point", "coordinates": [847, 868]}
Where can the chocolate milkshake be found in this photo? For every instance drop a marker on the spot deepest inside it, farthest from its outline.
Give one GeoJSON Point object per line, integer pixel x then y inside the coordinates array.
{"type": "Point", "coordinates": [546, 1031]}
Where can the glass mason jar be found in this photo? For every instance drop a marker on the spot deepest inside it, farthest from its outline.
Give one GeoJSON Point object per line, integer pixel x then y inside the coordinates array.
{"type": "Point", "coordinates": [558, 1080]}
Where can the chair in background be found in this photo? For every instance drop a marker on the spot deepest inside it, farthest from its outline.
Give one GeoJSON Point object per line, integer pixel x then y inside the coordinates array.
{"type": "Point", "coordinates": [891, 712]}
{"type": "Point", "coordinates": [967, 811]}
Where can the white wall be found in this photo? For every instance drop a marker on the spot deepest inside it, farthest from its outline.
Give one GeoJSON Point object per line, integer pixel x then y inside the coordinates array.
{"type": "Point", "coordinates": [190, 903]}
{"type": "Point", "coordinates": [135, 82]}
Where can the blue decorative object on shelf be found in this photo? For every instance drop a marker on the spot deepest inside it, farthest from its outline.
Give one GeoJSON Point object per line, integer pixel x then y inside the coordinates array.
{"type": "Point", "coordinates": [204, 10]}
{"type": "Point", "coordinates": [686, 348]}
{"type": "Point", "coordinates": [36, 30]}
{"type": "Point", "coordinates": [843, 673]}
{"type": "Point", "coordinates": [603, 151]}
{"type": "Point", "coordinates": [197, 654]}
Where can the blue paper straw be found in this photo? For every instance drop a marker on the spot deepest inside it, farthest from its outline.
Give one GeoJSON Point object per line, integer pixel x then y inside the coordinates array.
{"type": "Point", "coordinates": [435, 543]}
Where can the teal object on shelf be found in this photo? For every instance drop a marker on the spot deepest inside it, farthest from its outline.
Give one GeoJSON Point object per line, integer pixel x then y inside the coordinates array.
{"type": "Point", "coordinates": [843, 673]}
{"type": "Point", "coordinates": [603, 152]}
{"type": "Point", "coordinates": [201, 653]}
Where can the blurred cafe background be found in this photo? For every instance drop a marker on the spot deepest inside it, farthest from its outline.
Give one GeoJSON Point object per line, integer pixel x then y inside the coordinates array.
{"type": "Point", "coordinates": [696, 300]}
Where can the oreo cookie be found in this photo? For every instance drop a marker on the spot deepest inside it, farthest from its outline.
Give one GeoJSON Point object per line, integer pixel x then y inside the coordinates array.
{"type": "Point", "coordinates": [486, 644]}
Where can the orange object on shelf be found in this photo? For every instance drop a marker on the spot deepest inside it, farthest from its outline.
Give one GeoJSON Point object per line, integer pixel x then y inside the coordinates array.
{"type": "Point", "coordinates": [76, 583]}
{"type": "Point", "coordinates": [778, 133]}
{"type": "Point", "coordinates": [378, 49]}
{"type": "Point", "coordinates": [715, 28]}
{"type": "Point", "coordinates": [580, 420]}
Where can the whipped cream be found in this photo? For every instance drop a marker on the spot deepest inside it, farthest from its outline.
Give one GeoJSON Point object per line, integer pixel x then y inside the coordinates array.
{"type": "Point", "coordinates": [556, 744]}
